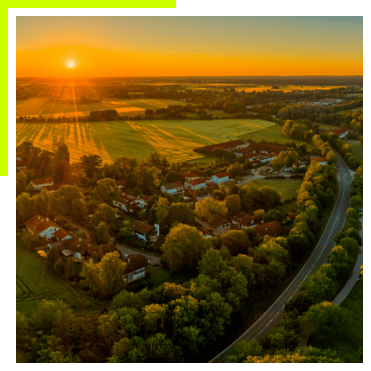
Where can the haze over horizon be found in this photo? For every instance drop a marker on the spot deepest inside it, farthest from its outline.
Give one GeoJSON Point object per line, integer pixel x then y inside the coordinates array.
{"type": "Point", "coordinates": [93, 47]}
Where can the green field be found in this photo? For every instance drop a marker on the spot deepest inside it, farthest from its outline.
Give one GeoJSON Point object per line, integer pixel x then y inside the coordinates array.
{"type": "Point", "coordinates": [125, 107]}
{"type": "Point", "coordinates": [287, 187]}
{"type": "Point", "coordinates": [36, 281]}
{"type": "Point", "coordinates": [356, 147]}
{"type": "Point", "coordinates": [175, 139]}
{"type": "Point", "coordinates": [273, 132]}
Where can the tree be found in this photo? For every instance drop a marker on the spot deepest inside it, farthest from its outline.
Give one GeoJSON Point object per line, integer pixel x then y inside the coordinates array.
{"type": "Point", "coordinates": [280, 338]}
{"type": "Point", "coordinates": [62, 171]}
{"type": "Point", "coordinates": [350, 245]}
{"type": "Point", "coordinates": [162, 210]}
{"type": "Point", "coordinates": [62, 153]}
{"type": "Point", "coordinates": [79, 210]}
{"type": "Point", "coordinates": [49, 313]}
{"type": "Point", "coordinates": [90, 164]}
{"type": "Point", "coordinates": [210, 210]}
{"type": "Point", "coordinates": [269, 197]}
{"type": "Point", "coordinates": [244, 349]}
{"type": "Point", "coordinates": [107, 191]}
{"type": "Point", "coordinates": [64, 198]}
{"type": "Point", "coordinates": [218, 194]}
{"type": "Point", "coordinates": [236, 242]}
{"type": "Point", "coordinates": [244, 264]}
{"type": "Point", "coordinates": [21, 182]}
{"type": "Point", "coordinates": [235, 170]}
{"type": "Point", "coordinates": [233, 204]}
{"type": "Point", "coordinates": [180, 213]}
{"type": "Point", "coordinates": [212, 263]}
{"type": "Point", "coordinates": [105, 278]}
{"type": "Point", "coordinates": [272, 215]}
{"type": "Point", "coordinates": [340, 262]}
{"type": "Point", "coordinates": [155, 315]}
{"type": "Point", "coordinates": [102, 233]}
{"type": "Point", "coordinates": [52, 256]}
{"type": "Point", "coordinates": [25, 206]}
{"type": "Point", "coordinates": [148, 112]}
{"type": "Point", "coordinates": [183, 247]}
{"type": "Point", "coordinates": [106, 214]}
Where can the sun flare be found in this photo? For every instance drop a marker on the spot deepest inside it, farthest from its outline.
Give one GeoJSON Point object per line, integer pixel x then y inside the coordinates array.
{"type": "Point", "coordinates": [71, 63]}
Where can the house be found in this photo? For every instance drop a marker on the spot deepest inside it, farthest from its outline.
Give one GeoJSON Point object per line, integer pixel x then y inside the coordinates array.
{"type": "Point", "coordinates": [341, 133]}
{"type": "Point", "coordinates": [221, 222]}
{"type": "Point", "coordinates": [21, 165]}
{"type": "Point", "coordinates": [288, 169]}
{"type": "Point", "coordinates": [135, 268]}
{"type": "Point", "coordinates": [42, 226]}
{"type": "Point", "coordinates": [228, 146]}
{"type": "Point", "coordinates": [300, 164]}
{"type": "Point", "coordinates": [265, 148]}
{"type": "Point", "coordinates": [52, 188]}
{"type": "Point", "coordinates": [244, 220]}
{"type": "Point", "coordinates": [173, 188]}
{"type": "Point", "coordinates": [220, 178]}
{"type": "Point", "coordinates": [78, 249]}
{"type": "Point", "coordinates": [291, 216]}
{"type": "Point", "coordinates": [196, 183]}
{"type": "Point", "coordinates": [145, 231]}
{"type": "Point", "coordinates": [129, 203]}
{"type": "Point", "coordinates": [62, 235]}
{"type": "Point", "coordinates": [120, 183]}
{"type": "Point", "coordinates": [38, 184]}
{"type": "Point", "coordinates": [272, 229]}
{"type": "Point", "coordinates": [320, 160]}
{"type": "Point", "coordinates": [190, 176]}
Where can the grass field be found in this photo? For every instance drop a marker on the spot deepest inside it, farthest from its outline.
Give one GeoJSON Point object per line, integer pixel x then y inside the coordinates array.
{"type": "Point", "coordinates": [175, 139]}
{"type": "Point", "coordinates": [273, 132]}
{"type": "Point", "coordinates": [36, 281]}
{"type": "Point", "coordinates": [356, 147]}
{"type": "Point", "coordinates": [125, 107]}
{"type": "Point", "coordinates": [287, 187]}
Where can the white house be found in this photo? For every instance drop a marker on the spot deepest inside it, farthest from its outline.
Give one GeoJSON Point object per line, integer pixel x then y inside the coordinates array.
{"type": "Point", "coordinates": [173, 188]}
{"type": "Point", "coordinates": [145, 231]}
{"type": "Point", "coordinates": [320, 160]}
{"type": "Point", "coordinates": [42, 226]}
{"type": "Point", "coordinates": [135, 268]}
{"type": "Point", "coordinates": [220, 178]}
{"type": "Point", "coordinates": [195, 183]}
{"type": "Point", "coordinates": [129, 203]}
{"type": "Point", "coordinates": [190, 176]}
{"type": "Point", "coordinates": [244, 220]}
{"type": "Point", "coordinates": [38, 184]}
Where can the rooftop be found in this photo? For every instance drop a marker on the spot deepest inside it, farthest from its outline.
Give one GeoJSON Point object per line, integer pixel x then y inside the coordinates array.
{"type": "Point", "coordinates": [141, 227]}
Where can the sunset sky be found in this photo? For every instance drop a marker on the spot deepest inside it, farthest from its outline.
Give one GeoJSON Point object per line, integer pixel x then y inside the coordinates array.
{"type": "Point", "coordinates": [188, 46]}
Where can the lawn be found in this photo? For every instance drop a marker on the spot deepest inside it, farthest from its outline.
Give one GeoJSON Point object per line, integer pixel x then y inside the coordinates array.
{"type": "Point", "coordinates": [36, 281]}
{"type": "Point", "coordinates": [125, 107]}
{"type": "Point", "coordinates": [356, 147]}
{"type": "Point", "coordinates": [287, 187]}
{"type": "Point", "coordinates": [273, 132]}
{"type": "Point", "coordinates": [174, 139]}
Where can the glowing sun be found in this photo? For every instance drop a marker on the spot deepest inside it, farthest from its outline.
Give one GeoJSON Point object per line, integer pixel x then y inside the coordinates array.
{"type": "Point", "coordinates": [71, 63]}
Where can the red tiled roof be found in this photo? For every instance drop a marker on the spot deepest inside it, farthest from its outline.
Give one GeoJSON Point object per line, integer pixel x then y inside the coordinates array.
{"type": "Point", "coordinates": [21, 163]}
{"type": "Point", "coordinates": [120, 182]}
{"type": "Point", "coordinates": [173, 185]}
{"type": "Point", "coordinates": [61, 233]}
{"type": "Point", "coordinates": [221, 175]}
{"type": "Point", "coordinates": [292, 216]}
{"type": "Point", "coordinates": [190, 175]}
{"type": "Point", "coordinates": [53, 187]}
{"type": "Point", "coordinates": [269, 229]}
{"type": "Point", "coordinates": [42, 181]}
{"type": "Point", "coordinates": [39, 223]}
{"type": "Point", "coordinates": [141, 227]}
{"type": "Point", "coordinates": [211, 185]}
{"type": "Point", "coordinates": [137, 261]}
{"type": "Point", "coordinates": [127, 199]}
{"type": "Point", "coordinates": [245, 219]}
{"type": "Point", "coordinates": [196, 182]}
{"type": "Point", "coordinates": [319, 159]}
{"type": "Point", "coordinates": [267, 147]}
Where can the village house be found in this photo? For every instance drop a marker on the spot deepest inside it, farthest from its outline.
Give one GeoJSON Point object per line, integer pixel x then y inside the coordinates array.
{"type": "Point", "coordinates": [190, 176]}
{"type": "Point", "coordinates": [244, 220]}
{"type": "Point", "coordinates": [38, 184]}
{"type": "Point", "coordinates": [136, 267]}
{"type": "Point", "coordinates": [21, 165]}
{"type": "Point", "coordinates": [42, 226]}
{"type": "Point", "coordinates": [221, 222]}
{"type": "Point", "coordinates": [199, 183]}
{"type": "Point", "coordinates": [173, 188]}
{"type": "Point", "coordinates": [272, 229]}
{"type": "Point", "coordinates": [220, 178]}
{"type": "Point", "coordinates": [52, 188]}
{"type": "Point", "coordinates": [228, 146]}
{"type": "Point", "coordinates": [62, 235]}
{"type": "Point", "coordinates": [320, 160]}
{"type": "Point", "coordinates": [341, 133]}
{"type": "Point", "coordinates": [129, 203]}
{"type": "Point", "coordinates": [120, 183]}
{"type": "Point", "coordinates": [291, 216]}
{"type": "Point", "coordinates": [265, 148]}
{"type": "Point", "coordinates": [145, 231]}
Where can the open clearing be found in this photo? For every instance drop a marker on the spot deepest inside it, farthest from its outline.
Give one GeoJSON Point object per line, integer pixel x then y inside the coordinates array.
{"type": "Point", "coordinates": [174, 139]}
{"type": "Point", "coordinates": [287, 187]}
{"type": "Point", "coordinates": [125, 107]}
{"type": "Point", "coordinates": [273, 132]}
{"type": "Point", "coordinates": [36, 281]}
{"type": "Point", "coordinates": [356, 147]}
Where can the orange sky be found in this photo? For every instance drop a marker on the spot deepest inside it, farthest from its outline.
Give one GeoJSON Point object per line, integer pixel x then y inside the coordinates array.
{"type": "Point", "coordinates": [180, 46]}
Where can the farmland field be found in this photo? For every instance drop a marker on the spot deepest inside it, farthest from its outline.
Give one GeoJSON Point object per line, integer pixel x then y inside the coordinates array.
{"type": "Point", "coordinates": [36, 281]}
{"type": "Point", "coordinates": [174, 139]}
{"type": "Point", "coordinates": [287, 187]}
{"type": "Point", "coordinates": [273, 132]}
{"type": "Point", "coordinates": [125, 107]}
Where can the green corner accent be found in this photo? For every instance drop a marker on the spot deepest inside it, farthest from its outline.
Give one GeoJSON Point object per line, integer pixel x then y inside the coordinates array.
{"type": "Point", "coordinates": [272, 4]}
{"type": "Point", "coordinates": [45, 4]}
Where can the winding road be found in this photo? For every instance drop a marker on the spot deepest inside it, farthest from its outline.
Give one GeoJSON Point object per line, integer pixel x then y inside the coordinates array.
{"type": "Point", "coordinates": [275, 313]}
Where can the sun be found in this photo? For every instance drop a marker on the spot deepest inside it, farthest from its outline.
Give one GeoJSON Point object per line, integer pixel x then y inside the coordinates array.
{"type": "Point", "coordinates": [71, 64]}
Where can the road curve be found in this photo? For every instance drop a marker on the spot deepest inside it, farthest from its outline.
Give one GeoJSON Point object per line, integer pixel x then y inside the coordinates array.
{"type": "Point", "coordinates": [275, 313]}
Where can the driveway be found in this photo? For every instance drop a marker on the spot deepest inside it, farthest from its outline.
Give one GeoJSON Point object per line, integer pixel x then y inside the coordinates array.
{"type": "Point", "coordinates": [128, 250]}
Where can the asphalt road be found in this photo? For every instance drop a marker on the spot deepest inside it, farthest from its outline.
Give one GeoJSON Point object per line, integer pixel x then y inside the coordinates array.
{"type": "Point", "coordinates": [128, 250]}
{"type": "Point", "coordinates": [275, 313]}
